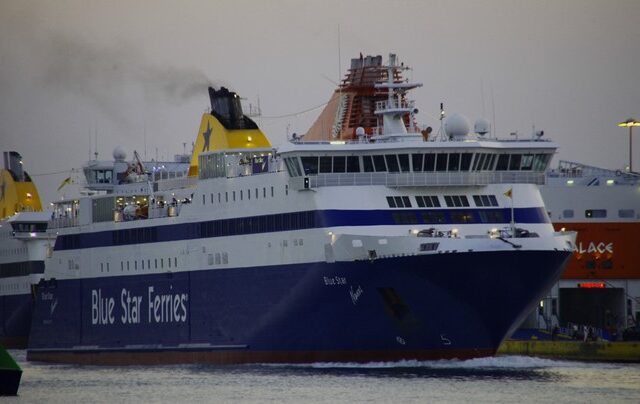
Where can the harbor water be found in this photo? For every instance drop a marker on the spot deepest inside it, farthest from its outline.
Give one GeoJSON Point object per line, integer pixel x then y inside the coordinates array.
{"type": "Point", "coordinates": [505, 379]}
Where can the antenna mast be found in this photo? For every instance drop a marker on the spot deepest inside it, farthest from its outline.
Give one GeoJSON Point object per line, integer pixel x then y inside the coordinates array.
{"type": "Point", "coordinates": [95, 130]}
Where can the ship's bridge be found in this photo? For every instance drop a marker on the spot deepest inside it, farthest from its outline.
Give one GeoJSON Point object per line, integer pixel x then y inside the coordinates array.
{"type": "Point", "coordinates": [417, 163]}
{"type": "Point", "coordinates": [29, 224]}
{"type": "Point", "coordinates": [233, 163]}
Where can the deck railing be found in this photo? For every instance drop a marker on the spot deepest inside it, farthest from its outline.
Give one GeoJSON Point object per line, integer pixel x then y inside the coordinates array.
{"type": "Point", "coordinates": [418, 179]}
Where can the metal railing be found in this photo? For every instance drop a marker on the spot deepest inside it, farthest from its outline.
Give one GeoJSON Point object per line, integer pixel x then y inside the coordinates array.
{"type": "Point", "coordinates": [417, 179]}
{"type": "Point", "coordinates": [381, 106]}
{"type": "Point", "coordinates": [60, 222]}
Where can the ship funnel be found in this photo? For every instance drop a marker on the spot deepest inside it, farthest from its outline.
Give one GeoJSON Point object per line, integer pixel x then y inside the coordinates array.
{"type": "Point", "coordinates": [226, 106]}
{"type": "Point", "coordinates": [13, 163]}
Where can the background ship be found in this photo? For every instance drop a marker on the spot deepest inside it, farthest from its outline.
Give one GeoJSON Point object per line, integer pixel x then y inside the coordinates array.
{"type": "Point", "coordinates": [24, 243]}
{"type": "Point", "coordinates": [389, 247]}
{"type": "Point", "coordinates": [601, 285]}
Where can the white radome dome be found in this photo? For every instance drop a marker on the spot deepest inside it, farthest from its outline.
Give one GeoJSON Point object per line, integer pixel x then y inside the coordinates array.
{"type": "Point", "coordinates": [481, 126]}
{"type": "Point", "coordinates": [119, 154]}
{"type": "Point", "coordinates": [456, 126]}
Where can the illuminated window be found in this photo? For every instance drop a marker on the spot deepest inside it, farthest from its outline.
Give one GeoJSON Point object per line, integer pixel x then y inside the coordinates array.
{"type": "Point", "coordinates": [595, 213]}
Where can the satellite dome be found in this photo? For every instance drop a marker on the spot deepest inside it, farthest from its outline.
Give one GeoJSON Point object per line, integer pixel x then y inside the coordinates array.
{"type": "Point", "coordinates": [456, 126]}
{"type": "Point", "coordinates": [119, 154]}
{"type": "Point", "coordinates": [481, 126]}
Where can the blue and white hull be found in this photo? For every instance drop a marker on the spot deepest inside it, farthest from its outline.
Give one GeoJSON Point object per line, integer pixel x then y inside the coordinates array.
{"type": "Point", "coordinates": [420, 306]}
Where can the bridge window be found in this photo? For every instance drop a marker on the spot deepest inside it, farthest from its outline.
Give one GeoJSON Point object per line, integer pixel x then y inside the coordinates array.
{"type": "Point", "coordinates": [416, 160]}
{"type": "Point", "coordinates": [392, 163]}
{"type": "Point", "coordinates": [514, 163]}
{"type": "Point", "coordinates": [454, 161]}
{"type": "Point", "coordinates": [310, 165]}
{"type": "Point", "coordinates": [488, 163]}
{"type": "Point", "coordinates": [441, 162]}
{"type": "Point", "coordinates": [540, 162]}
{"type": "Point", "coordinates": [103, 176]}
{"type": "Point", "coordinates": [429, 162]}
{"type": "Point", "coordinates": [378, 163]}
{"type": "Point", "coordinates": [353, 164]}
{"type": "Point", "coordinates": [325, 164]}
{"type": "Point", "coordinates": [292, 166]}
{"type": "Point", "coordinates": [527, 162]}
{"type": "Point", "coordinates": [465, 162]}
{"type": "Point", "coordinates": [477, 165]}
{"type": "Point", "coordinates": [503, 162]}
{"type": "Point", "coordinates": [567, 213]}
{"type": "Point", "coordinates": [367, 164]}
{"type": "Point", "coordinates": [404, 162]}
{"type": "Point", "coordinates": [339, 165]}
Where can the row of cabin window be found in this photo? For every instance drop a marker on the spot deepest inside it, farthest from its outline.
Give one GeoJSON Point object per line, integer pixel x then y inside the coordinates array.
{"type": "Point", "coordinates": [220, 259]}
{"type": "Point", "coordinates": [231, 196]}
{"type": "Point", "coordinates": [23, 268]}
{"type": "Point", "coordinates": [10, 287]}
{"type": "Point", "coordinates": [600, 213]}
{"type": "Point", "coordinates": [216, 228]}
{"type": "Point", "coordinates": [432, 201]}
{"type": "Point", "coordinates": [105, 266]}
{"type": "Point", "coordinates": [418, 163]}
{"type": "Point", "coordinates": [457, 217]}
{"type": "Point", "coordinates": [13, 251]}
{"type": "Point", "coordinates": [257, 224]}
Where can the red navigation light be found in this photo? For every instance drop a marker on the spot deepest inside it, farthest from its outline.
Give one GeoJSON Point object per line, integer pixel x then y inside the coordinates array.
{"type": "Point", "coordinates": [592, 285]}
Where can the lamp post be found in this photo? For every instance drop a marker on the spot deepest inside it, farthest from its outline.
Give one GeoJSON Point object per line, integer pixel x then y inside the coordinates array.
{"type": "Point", "coordinates": [630, 123]}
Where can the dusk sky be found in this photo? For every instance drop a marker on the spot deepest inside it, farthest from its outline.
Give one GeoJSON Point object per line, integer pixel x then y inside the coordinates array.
{"type": "Point", "coordinates": [71, 70]}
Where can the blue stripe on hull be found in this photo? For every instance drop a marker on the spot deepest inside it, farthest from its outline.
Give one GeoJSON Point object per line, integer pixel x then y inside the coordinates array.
{"type": "Point", "coordinates": [292, 221]}
{"type": "Point", "coordinates": [15, 320]}
{"type": "Point", "coordinates": [438, 304]}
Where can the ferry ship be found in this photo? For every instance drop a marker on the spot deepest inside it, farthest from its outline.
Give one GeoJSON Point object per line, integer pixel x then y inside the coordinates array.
{"type": "Point", "coordinates": [24, 243]}
{"type": "Point", "coordinates": [394, 245]}
{"type": "Point", "coordinates": [601, 286]}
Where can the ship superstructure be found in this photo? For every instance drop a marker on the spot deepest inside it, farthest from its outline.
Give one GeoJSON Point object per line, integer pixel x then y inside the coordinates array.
{"type": "Point", "coordinates": [387, 247]}
{"type": "Point", "coordinates": [24, 243]}
{"type": "Point", "coordinates": [368, 85]}
{"type": "Point", "coordinates": [599, 288]}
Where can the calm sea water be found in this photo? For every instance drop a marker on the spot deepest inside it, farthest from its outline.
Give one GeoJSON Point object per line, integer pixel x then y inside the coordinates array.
{"type": "Point", "coordinates": [508, 379]}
